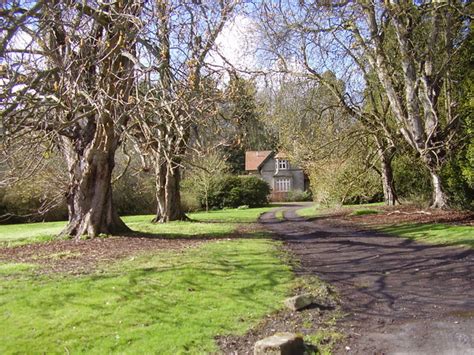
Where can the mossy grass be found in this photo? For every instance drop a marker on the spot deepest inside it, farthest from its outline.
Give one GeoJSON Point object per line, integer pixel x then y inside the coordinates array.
{"type": "Point", "coordinates": [168, 303]}
{"type": "Point", "coordinates": [328, 335]}
{"type": "Point", "coordinates": [325, 339]}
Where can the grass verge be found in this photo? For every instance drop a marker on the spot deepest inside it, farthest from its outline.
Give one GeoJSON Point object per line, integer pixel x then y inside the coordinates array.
{"type": "Point", "coordinates": [434, 233]}
{"type": "Point", "coordinates": [279, 215]}
{"type": "Point", "coordinates": [327, 334]}
{"type": "Point", "coordinates": [168, 303]}
{"type": "Point", "coordinates": [363, 212]}
{"type": "Point", "coordinates": [317, 210]}
{"type": "Point", "coordinates": [311, 211]}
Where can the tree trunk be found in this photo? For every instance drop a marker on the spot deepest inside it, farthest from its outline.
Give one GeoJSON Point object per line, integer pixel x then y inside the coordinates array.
{"type": "Point", "coordinates": [168, 179]}
{"type": "Point", "coordinates": [440, 199]}
{"type": "Point", "coordinates": [389, 194]}
{"type": "Point", "coordinates": [386, 171]}
{"type": "Point", "coordinates": [89, 196]}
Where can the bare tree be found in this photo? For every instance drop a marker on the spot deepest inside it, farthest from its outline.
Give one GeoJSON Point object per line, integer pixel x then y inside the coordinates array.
{"type": "Point", "coordinates": [68, 72]}
{"type": "Point", "coordinates": [409, 46]}
{"type": "Point", "coordinates": [175, 98]}
{"type": "Point", "coordinates": [336, 151]}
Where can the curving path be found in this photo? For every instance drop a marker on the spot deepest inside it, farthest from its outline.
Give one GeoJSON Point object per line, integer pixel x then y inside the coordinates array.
{"type": "Point", "coordinates": [400, 297]}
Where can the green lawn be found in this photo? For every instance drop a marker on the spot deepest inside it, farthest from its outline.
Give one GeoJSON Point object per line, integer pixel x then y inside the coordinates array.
{"type": "Point", "coordinates": [20, 233]}
{"type": "Point", "coordinates": [311, 211]}
{"type": "Point", "coordinates": [166, 303]}
{"type": "Point", "coordinates": [279, 215]}
{"type": "Point", "coordinates": [213, 223]}
{"type": "Point", "coordinates": [434, 233]}
{"type": "Point", "coordinates": [363, 211]}
{"type": "Point", "coordinates": [235, 215]}
{"type": "Point", "coordinates": [316, 210]}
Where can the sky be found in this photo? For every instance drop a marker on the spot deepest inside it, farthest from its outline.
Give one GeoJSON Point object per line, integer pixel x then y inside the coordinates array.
{"type": "Point", "coordinates": [237, 43]}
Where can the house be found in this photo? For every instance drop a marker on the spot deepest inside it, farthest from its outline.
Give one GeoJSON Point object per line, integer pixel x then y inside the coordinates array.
{"type": "Point", "coordinates": [276, 169]}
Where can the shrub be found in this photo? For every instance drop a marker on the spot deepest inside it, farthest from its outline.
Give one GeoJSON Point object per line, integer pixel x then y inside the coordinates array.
{"type": "Point", "coordinates": [340, 182]}
{"type": "Point", "coordinates": [235, 191]}
{"type": "Point", "coordinates": [34, 200]}
{"type": "Point", "coordinates": [254, 191]}
{"type": "Point", "coordinates": [134, 194]}
{"type": "Point", "coordinates": [189, 197]}
{"type": "Point", "coordinates": [412, 180]}
{"type": "Point", "coordinates": [298, 195]}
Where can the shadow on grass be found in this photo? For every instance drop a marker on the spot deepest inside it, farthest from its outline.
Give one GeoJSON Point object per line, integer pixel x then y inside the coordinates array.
{"type": "Point", "coordinates": [178, 298]}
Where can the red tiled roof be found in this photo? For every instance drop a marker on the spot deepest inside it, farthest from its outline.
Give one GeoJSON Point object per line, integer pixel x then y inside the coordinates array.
{"type": "Point", "coordinates": [253, 159]}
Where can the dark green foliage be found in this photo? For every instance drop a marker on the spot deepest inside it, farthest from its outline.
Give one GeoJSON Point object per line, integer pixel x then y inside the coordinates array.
{"type": "Point", "coordinates": [243, 113]}
{"type": "Point", "coordinates": [235, 157]}
{"type": "Point", "coordinates": [460, 193]}
{"type": "Point", "coordinates": [412, 180]}
{"type": "Point", "coordinates": [458, 171]}
{"type": "Point", "coordinates": [234, 191]}
{"type": "Point", "coordinates": [254, 191]}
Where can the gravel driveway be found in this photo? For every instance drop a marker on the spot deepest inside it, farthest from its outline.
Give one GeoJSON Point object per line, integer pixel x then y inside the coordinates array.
{"type": "Point", "coordinates": [400, 297]}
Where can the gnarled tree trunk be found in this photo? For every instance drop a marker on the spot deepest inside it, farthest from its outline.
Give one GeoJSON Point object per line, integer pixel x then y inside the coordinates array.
{"type": "Point", "coordinates": [386, 155]}
{"type": "Point", "coordinates": [168, 179]}
{"type": "Point", "coordinates": [89, 196]}
{"type": "Point", "coordinates": [388, 183]}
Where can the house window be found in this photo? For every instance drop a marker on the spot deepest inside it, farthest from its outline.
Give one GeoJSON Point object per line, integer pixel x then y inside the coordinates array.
{"type": "Point", "coordinates": [282, 164]}
{"type": "Point", "coordinates": [282, 185]}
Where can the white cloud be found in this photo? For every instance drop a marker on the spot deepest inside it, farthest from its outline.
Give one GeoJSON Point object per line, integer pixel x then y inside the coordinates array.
{"type": "Point", "coordinates": [237, 43]}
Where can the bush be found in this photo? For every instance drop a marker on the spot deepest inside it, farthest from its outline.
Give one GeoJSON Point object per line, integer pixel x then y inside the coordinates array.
{"type": "Point", "coordinates": [458, 187]}
{"type": "Point", "coordinates": [255, 191]}
{"type": "Point", "coordinates": [134, 194]}
{"type": "Point", "coordinates": [298, 195]}
{"type": "Point", "coordinates": [235, 191]}
{"type": "Point", "coordinates": [412, 180]}
{"type": "Point", "coordinates": [34, 200]}
{"type": "Point", "coordinates": [342, 182]}
{"type": "Point", "coordinates": [190, 200]}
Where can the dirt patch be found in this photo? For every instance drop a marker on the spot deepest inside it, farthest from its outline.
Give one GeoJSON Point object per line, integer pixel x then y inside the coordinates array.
{"type": "Point", "coordinates": [401, 214]}
{"type": "Point", "coordinates": [84, 256]}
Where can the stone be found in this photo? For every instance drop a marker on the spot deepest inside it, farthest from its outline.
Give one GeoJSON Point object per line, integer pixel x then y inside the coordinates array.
{"type": "Point", "coordinates": [298, 302]}
{"type": "Point", "coordinates": [280, 344]}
